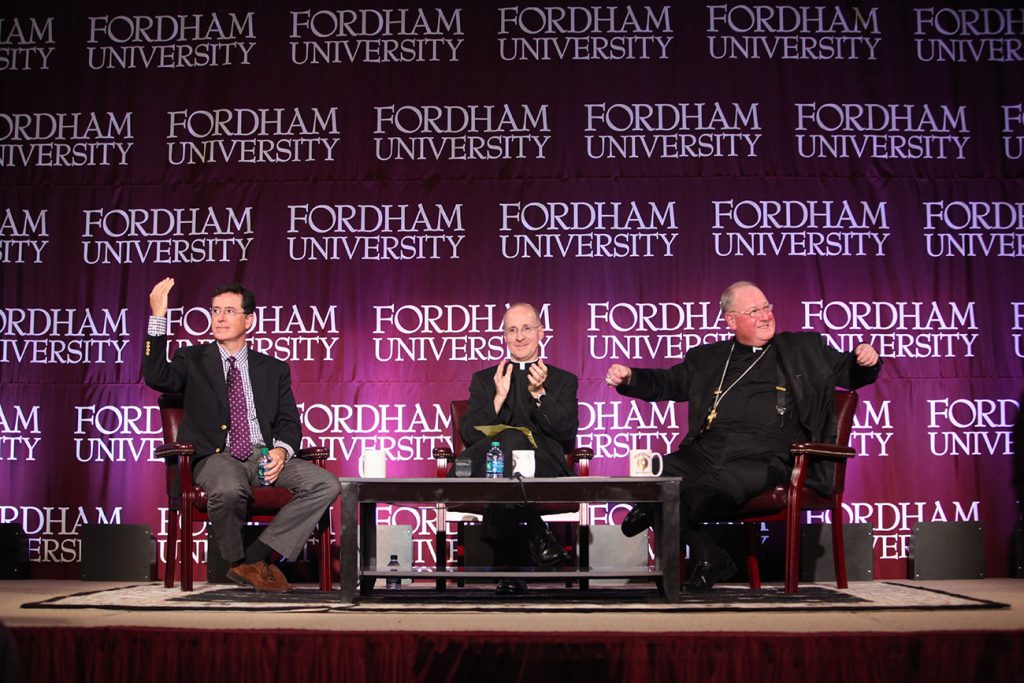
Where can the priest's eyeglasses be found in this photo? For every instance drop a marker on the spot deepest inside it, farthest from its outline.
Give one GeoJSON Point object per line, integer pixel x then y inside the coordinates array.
{"type": "Point", "coordinates": [757, 312]}
{"type": "Point", "coordinates": [525, 329]}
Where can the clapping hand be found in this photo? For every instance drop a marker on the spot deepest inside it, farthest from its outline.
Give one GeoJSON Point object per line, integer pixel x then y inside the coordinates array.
{"type": "Point", "coordinates": [538, 375]}
{"type": "Point", "coordinates": [502, 383]}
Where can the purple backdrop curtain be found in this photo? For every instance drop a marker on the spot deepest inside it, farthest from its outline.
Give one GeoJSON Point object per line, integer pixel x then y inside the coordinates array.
{"type": "Point", "coordinates": [389, 177]}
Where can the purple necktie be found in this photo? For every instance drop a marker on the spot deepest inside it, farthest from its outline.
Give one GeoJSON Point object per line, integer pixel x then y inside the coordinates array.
{"type": "Point", "coordinates": [241, 439]}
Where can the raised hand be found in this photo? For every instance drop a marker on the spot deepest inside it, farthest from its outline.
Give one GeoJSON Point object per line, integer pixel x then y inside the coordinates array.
{"type": "Point", "coordinates": [158, 297]}
{"type": "Point", "coordinates": [502, 383]}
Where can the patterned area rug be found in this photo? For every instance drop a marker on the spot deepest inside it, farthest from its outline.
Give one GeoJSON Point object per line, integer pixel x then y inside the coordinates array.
{"type": "Point", "coordinates": [877, 595]}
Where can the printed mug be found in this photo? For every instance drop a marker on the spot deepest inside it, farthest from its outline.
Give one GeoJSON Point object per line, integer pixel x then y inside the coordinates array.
{"type": "Point", "coordinates": [641, 463]}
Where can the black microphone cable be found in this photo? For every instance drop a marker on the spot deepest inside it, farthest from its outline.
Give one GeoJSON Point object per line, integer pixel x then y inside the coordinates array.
{"type": "Point", "coordinates": [518, 476]}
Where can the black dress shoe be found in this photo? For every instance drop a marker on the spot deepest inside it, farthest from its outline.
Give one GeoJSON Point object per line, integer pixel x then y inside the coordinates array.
{"type": "Point", "coordinates": [638, 520]}
{"type": "Point", "coordinates": [546, 550]}
{"type": "Point", "coordinates": [510, 587]}
{"type": "Point", "coordinates": [708, 573]}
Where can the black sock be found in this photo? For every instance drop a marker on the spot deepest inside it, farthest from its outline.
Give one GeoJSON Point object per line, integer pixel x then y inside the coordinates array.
{"type": "Point", "coordinates": [257, 551]}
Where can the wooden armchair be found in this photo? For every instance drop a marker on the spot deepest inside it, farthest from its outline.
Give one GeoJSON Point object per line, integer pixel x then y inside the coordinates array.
{"type": "Point", "coordinates": [578, 460]}
{"type": "Point", "coordinates": [188, 501]}
{"type": "Point", "coordinates": [788, 502]}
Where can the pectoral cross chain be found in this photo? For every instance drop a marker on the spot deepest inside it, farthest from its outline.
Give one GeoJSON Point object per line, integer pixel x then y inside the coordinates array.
{"type": "Point", "coordinates": [719, 393]}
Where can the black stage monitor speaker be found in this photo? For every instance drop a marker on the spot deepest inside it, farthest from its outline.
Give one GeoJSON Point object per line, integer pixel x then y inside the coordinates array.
{"type": "Point", "coordinates": [947, 550]}
{"type": "Point", "coordinates": [117, 552]}
{"type": "Point", "coordinates": [816, 563]}
{"type": "Point", "coordinates": [13, 552]}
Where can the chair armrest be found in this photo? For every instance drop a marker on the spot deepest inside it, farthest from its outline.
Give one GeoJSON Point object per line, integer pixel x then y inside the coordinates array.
{"type": "Point", "coordinates": [314, 453]}
{"type": "Point", "coordinates": [445, 458]}
{"type": "Point", "coordinates": [582, 453]}
{"type": "Point", "coordinates": [806, 453]}
{"type": "Point", "coordinates": [829, 451]}
{"type": "Point", "coordinates": [178, 458]}
{"type": "Point", "coordinates": [443, 453]}
{"type": "Point", "coordinates": [174, 450]}
{"type": "Point", "coordinates": [579, 458]}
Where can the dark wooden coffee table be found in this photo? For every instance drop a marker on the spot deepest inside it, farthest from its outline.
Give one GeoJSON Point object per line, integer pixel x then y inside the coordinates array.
{"type": "Point", "coordinates": [359, 499]}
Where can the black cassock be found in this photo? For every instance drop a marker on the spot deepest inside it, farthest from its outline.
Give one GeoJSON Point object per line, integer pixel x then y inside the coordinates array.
{"type": "Point", "coordinates": [552, 422]}
{"type": "Point", "coordinates": [746, 448]}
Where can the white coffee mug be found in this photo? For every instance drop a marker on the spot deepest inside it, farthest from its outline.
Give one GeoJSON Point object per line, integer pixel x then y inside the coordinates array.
{"type": "Point", "coordinates": [641, 463]}
{"type": "Point", "coordinates": [524, 462]}
{"type": "Point", "coordinates": [373, 464]}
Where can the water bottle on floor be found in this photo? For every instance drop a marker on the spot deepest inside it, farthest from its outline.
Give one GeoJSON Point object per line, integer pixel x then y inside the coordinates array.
{"type": "Point", "coordinates": [393, 583]}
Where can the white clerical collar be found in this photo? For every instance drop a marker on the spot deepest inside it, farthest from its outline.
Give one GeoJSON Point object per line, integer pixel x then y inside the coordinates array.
{"type": "Point", "coordinates": [753, 349]}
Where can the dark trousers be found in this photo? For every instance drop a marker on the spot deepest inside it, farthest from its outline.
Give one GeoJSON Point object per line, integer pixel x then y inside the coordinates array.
{"type": "Point", "coordinates": [507, 527]}
{"type": "Point", "coordinates": [716, 480]}
{"type": "Point", "coordinates": [720, 472]}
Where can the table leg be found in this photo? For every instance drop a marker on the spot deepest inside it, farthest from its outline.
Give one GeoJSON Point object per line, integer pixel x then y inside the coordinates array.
{"type": "Point", "coordinates": [583, 552]}
{"type": "Point", "coordinates": [348, 534]}
{"type": "Point", "coordinates": [670, 546]}
{"type": "Point", "coordinates": [441, 545]}
{"type": "Point", "coordinates": [441, 565]}
{"type": "Point", "coordinates": [367, 545]}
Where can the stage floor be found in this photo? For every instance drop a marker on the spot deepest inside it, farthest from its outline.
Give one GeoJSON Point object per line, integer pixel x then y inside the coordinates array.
{"type": "Point", "coordinates": [13, 594]}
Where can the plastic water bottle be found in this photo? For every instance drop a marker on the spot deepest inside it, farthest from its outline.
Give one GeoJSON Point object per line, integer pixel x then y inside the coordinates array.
{"type": "Point", "coordinates": [495, 462]}
{"type": "Point", "coordinates": [393, 583]}
{"type": "Point", "coordinates": [261, 468]}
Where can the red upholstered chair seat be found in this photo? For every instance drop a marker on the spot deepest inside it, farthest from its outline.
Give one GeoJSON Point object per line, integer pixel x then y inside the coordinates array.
{"type": "Point", "coordinates": [769, 501]}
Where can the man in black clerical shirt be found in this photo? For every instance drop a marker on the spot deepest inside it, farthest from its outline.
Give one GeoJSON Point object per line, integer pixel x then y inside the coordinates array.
{"type": "Point", "coordinates": [523, 403]}
{"type": "Point", "coordinates": [741, 424]}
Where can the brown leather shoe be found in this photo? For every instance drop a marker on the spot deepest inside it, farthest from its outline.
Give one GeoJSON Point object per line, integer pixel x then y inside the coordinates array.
{"type": "Point", "coordinates": [261, 576]}
{"type": "Point", "coordinates": [278, 576]}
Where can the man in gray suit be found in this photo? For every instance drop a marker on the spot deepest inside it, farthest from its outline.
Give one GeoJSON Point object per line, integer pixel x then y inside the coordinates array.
{"type": "Point", "coordinates": [235, 399]}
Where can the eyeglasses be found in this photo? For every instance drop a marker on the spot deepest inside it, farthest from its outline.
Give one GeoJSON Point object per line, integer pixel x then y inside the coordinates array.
{"type": "Point", "coordinates": [216, 312]}
{"type": "Point", "coordinates": [525, 329]}
{"type": "Point", "coordinates": [756, 312]}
